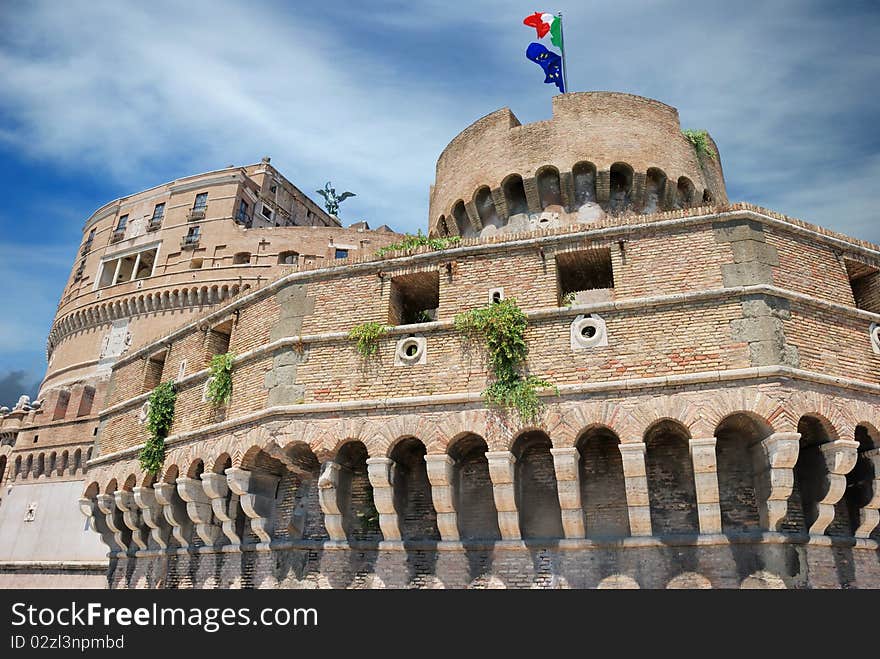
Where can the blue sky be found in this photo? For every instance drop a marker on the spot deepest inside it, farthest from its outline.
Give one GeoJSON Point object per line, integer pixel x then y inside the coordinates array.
{"type": "Point", "coordinates": [102, 99]}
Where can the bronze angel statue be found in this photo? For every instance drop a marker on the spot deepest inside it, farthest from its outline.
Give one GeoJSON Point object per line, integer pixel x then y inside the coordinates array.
{"type": "Point", "coordinates": [331, 201]}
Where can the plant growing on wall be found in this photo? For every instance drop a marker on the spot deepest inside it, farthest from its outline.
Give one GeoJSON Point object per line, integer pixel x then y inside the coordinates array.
{"type": "Point", "coordinates": [419, 240]}
{"type": "Point", "coordinates": [220, 379]}
{"type": "Point", "coordinates": [159, 419]}
{"type": "Point", "coordinates": [366, 337]}
{"type": "Point", "coordinates": [700, 140]}
{"type": "Point", "coordinates": [502, 326]}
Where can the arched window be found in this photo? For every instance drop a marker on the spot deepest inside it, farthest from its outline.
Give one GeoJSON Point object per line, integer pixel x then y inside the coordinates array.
{"type": "Point", "coordinates": [670, 471]}
{"type": "Point", "coordinates": [412, 492]}
{"type": "Point", "coordinates": [584, 175]}
{"type": "Point", "coordinates": [474, 498]}
{"type": "Point", "coordinates": [462, 221]}
{"type": "Point", "coordinates": [655, 190]}
{"type": "Point", "coordinates": [360, 517]}
{"type": "Point", "coordinates": [686, 192]}
{"type": "Point", "coordinates": [486, 208]}
{"type": "Point", "coordinates": [860, 480]}
{"type": "Point", "coordinates": [603, 488]}
{"type": "Point", "coordinates": [515, 195]}
{"type": "Point", "coordinates": [621, 187]}
{"type": "Point", "coordinates": [737, 451]}
{"type": "Point", "coordinates": [549, 188]}
{"type": "Point", "coordinates": [537, 496]}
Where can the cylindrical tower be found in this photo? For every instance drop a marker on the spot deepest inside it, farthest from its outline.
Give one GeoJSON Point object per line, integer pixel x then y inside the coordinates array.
{"type": "Point", "coordinates": [601, 153]}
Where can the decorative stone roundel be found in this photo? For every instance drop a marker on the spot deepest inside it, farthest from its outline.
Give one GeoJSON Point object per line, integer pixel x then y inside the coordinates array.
{"type": "Point", "coordinates": [874, 332]}
{"type": "Point", "coordinates": [411, 350]}
{"type": "Point", "coordinates": [588, 332]}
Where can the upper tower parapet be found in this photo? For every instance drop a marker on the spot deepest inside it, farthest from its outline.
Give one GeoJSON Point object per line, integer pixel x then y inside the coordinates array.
{"type": "Point", "coordinates": [602, 152]}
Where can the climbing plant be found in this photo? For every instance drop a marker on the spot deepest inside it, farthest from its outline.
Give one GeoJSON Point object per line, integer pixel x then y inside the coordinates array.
{"type": "Point", "coordinates": [220, 379]}
{"type": "Point", "coordinates": [419, 240]}
{"type": "Point", "coordinates": [502, 325]}
{"type": "Point", "coordinates": [159, 418]}
{"type": "Point", "coordinates": [700, 140]}
{"type": "Point", "coordinates": [366, 337]}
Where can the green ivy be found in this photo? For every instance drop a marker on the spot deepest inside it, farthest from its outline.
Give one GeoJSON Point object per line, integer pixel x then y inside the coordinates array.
{"type": "Point", "coordinates": [419, 240]}
{"type": "Point", "coordinates": [700, 140]}
{"type": "Point", "coordinates": [366, 336]}
{"type": "Point", "coordinates": [220, 379]}
{"type": "Point", "coordinates": [502, 326]}
{"type": "Point", "coordinates": [159, 419]}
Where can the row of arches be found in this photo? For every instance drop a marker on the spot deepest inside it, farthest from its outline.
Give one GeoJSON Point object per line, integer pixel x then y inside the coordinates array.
{"type": "Point", "coordinates": [54, 463]}
{"type": "Point", "coordinates": [665, 485]}
{"type": "Point", "coordinates": [618, 190]}
{"type": "Point", "coordinates": [159, 301]}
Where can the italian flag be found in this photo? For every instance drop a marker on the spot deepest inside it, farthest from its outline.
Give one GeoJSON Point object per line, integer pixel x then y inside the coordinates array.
{"type": "Point", "coordinates": [545, 23]}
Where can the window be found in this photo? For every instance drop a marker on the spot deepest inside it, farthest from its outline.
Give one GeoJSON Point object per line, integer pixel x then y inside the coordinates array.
{"type": "Point", "coordinates": [414, 298]}
{"type": "Point", "coordinates": [201, 202]}
{"type": "Point", "coordinates": [127, 268]}
{"type": "Point", "coordinates": [87, 245]}
{"type": "Point", "coordinates": [192, 237]}
{"type": "Point", "coordinates": [80, 270]}
{"type": "Point", "coordinates": [288, 258]}
{"type": "Point", "coordinates": [241, 258]}
{"type": "Point", "coordinates": [217, 340]}
{"type": "Point", "coordinates": [120, 225]}
{"type": "Point", "coordinates": [341, 253]}
{"type": "Point", "coordinates": [587, 270]}
{"type": "Point", "coordinates": [153, 370]}
{"type": "Point", "coordinates": [864, 280]}
{"type": "Point", "coordinates": [195, 264]}
{"type": "Point", "coordinates": [266, 211]}
{"type": "Point", "coordinates": [61, 405]}
{"type": "Point", "coordinates": [86, 401]}
{"type": "Point", "coordinates": [158, 212]}
{"type": "Point", "coordinates": [243, 215]}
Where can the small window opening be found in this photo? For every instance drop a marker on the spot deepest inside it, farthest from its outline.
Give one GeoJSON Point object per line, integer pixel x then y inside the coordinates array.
{"type": "Point", "coordinates": [586, 270]}
{"type": "Point", "coordinates": [195, 264]}
{"type": "Point", "coordinates": [86, 401]}
{"type": "Point", "coordinates": [414, 298]}
{"type": "Point", "coordinates": [515, 195]}
{"type": "Point", "coordinates": [341, 253]}
{"type": "Point", "coordinates": [241, 258]}
{"type": "Point", "coordinates": [153, 371]}
{"type": "Point", "coordinates": [496, 297]}
{"type": "Point", "coordinates": [288, 258]}
{"type": "Point", "coordinates": [864, 280]}
{"type": "Point", "coordinates": [218, 339]}
{"type": "Point", "coordinates": [61, 405]}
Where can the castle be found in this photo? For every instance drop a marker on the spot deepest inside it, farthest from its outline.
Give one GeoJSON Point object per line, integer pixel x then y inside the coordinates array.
{"type": "Point", "coordinates": [710, 421]}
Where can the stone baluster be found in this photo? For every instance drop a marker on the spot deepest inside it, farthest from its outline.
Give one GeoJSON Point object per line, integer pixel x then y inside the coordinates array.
{"type": "Point", "coordinates": [328, 496]}
{"type": "Point", "coordinates": [501, 471]}
{"type": "Point", "coordinates": [566, 463]}
{"type": "Point", "coordinates": [198, 507]}
{"type": "Point", "coordinates": [381, 473]}
{"type": "Point", "coordinates": [256, 492]}
{"type": "Point", "coordinates": [869, 516]}
{"type": "Point", "coordinates": [174, 511]}
{"type": "Point", "coordinates": [151, 511]}
{"type": "Point", "coordinates": [636, 481]}
{"type": "Point", "coordinates": [440, 474]}
{"type": "Point", "coordinates": [840, 457]}
{"type": "Point", "coordinates": [131, 517]}
{"type": "Point", "coordinates": [224, 504]}
{"type": "Point", "coordinates": [773, 466]}
{"type": "Point", "coordinates": [113, 519]}
{"type": "Point", "coordinates": [705, 468]}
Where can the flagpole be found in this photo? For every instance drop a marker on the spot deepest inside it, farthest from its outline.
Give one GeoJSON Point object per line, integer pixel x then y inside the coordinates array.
{"type": "Point", "coordinates": [562, 48]}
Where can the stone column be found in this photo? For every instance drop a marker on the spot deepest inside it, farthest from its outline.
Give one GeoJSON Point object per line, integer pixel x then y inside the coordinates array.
{"type": "Point", "coordinates": [328, 496]}
{"type": "Point", "coordinates": [566, 463]}
{"type": "Point", "coordinates": [151, 512]}
{"type": "Point", "coordinates": [137, 264]}
{"type": "Point", "coordinates": [501, 471]}
{"type": "Point", "coordinates": [440, 474]}
{"type": "Point", "coordinates": [113, 519]}
{"type": "Point", "coordinates": [381, 473]}
{"type": "Point", "coordinates": [869, 516]}
{"type": "Point", "coordinates": [840, 457]}
{"type": "Point", "coordinates": [775, 478]}
{"type": "Point", "coordinates": [256, 492]}
{"type": "Point", "coordinates": [706, 484]}
{"type": "Point", "coordinates": [224, 504]}
{"type": "Point", "coordinates": [198, 507]}
{"type": "Point", "coordinates": [131, 517]}
{"type": "Point", "coordinates": [174, 511]}
{"type": "Point", "coordinates": [636, 481]}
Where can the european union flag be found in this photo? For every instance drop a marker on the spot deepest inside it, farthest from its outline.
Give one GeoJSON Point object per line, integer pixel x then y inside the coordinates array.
{"type": "Point", "coordinates": [549, 61]}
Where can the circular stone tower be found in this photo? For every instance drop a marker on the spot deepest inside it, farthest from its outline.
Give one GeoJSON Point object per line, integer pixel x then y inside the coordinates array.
{"type": "Point", "coordinates": [602, 153]}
